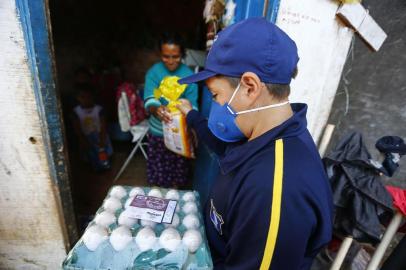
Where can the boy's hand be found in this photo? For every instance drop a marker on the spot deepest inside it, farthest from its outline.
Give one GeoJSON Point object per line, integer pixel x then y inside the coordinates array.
{"type": "Point", "coordinates": [185, 106]}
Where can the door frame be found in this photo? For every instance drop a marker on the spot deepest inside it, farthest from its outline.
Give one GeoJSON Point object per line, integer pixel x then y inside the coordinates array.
{"type": "Point", "coordinates": [36, 26]}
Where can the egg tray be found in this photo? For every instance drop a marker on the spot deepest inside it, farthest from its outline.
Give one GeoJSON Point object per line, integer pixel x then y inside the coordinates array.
{"type": "Point", "coordinates": [131, 257]}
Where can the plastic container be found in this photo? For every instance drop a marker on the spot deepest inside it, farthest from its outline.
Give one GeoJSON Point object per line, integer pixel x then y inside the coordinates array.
{"type": "Point", "coordinates": [105, 257]}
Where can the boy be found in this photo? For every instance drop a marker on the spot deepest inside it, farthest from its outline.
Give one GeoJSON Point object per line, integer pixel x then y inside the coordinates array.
{"type": "Point", "coordinates": [271, 206]}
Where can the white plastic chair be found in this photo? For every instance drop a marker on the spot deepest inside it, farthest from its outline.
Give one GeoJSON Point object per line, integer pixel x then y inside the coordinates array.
{"type": "Point", "coordinates": [139, 132]}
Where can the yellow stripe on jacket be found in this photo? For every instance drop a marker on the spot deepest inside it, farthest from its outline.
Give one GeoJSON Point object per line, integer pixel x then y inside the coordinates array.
{"type": "Point", "coordinates": [276, 207]}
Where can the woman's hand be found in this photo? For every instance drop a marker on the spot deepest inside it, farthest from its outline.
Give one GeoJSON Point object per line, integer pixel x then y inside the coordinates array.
{"type": "Point", "coordinates": [162, 113]}
{"type": "Point", "coordinates": [185, 106]}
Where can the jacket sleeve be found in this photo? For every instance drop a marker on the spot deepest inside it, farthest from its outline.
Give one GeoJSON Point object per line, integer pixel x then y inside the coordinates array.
{"type": "Point", "coordinates": [248, 227]}
{"type": "Point", "coordinates": [199, 124]}
{"type": "Point", "coordinates": [191, 94]}
{"type": "Point", "coordinates": [265, 234]}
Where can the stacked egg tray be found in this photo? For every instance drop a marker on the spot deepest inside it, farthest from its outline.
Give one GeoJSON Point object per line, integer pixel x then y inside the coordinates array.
{"type": "Point", "coordinates": [113, 240]}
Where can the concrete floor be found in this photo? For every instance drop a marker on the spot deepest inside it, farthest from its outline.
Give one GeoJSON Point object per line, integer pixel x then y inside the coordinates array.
{"type": "Point", "coordinates": [89, 188]}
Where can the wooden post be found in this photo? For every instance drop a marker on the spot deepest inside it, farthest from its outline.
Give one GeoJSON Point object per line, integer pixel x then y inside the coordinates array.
{"type": "Point", "coordinates": [357, 17]}
{"type": "Point", "coordinates": [342, 252]}
{"type": "Point", "coordinates": [265, 10]}
{"type": "Point", "coordinates": [328, 132]}
{"type": "Point", "coordinates": [386, 239]}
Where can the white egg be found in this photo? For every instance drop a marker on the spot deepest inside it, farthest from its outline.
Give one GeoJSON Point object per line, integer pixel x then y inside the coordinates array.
{"type": "Point", "coordinates": [126, 220]}
{"type": "Point", "coordinates": [145, 238]}
{"type": "Point", "coordinates": [118, 192]}
{"type": "Point", "coordinates": [112, 204]}
{"type": "Point", "coordinates": [172, 195]}
{"type": "Point", "coordinates": [155, 193]}
{"type": "Point", "coordinates": [105, 219]}
{"type": "Point", "coordinates": [136, 191]}
{"type": "Point", "coordinates": [147, 223]}
{"type": "Point", "coordinates": [128, 202]}
{"type": "Point", "coordinates": [189, 208]}
{"type": "Point", "coordinates": [120, 238]}
{"type": "Point", "coordinates": [175, 222]}
{"type": "Point", "coordinates": [192, 239]}
{"type": "Point", "coordinates": [191, 221]}
{"type": "Point", "coordinates": [170, 239]}
{"type": "Point", "coordinates": [94, 236]}
{"type": "Point", "coordinates": [177, 208]}
{"type": "Point", "coordinates": [189, 197]}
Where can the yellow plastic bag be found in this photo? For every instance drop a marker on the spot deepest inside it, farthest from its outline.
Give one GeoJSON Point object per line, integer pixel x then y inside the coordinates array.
{"type": "Point", "coordinates": [176, 134]}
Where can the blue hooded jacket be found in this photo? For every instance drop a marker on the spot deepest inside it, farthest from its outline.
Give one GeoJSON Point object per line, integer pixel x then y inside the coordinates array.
{"type": "Point", "coordinates": [271, 206]}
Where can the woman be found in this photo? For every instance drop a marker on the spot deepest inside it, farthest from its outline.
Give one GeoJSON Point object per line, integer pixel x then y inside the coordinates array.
{"type": "Point", "coordinates": [165, 168]}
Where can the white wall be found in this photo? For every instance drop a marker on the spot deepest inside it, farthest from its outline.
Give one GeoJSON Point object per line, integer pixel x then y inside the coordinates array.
{"type": "Point", "coordinates": [31, 235]}
{"type": "Point", "coordinates": [323, 44]}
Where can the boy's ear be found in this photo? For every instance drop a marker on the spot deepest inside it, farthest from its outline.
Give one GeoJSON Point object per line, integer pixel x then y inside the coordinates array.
{"type": "Point", "coordinates": [251, 82]}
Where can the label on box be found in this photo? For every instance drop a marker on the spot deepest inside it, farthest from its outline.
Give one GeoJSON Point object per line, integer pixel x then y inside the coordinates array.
{"type": "Point", "coordinates": [176, 136]}
{"type": "Point", "coordinates": [152, 209]}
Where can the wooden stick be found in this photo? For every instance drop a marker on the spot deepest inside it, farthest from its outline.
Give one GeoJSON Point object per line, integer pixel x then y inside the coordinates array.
{"type": "Point", "coordinates": [386, 239]}
{"type": "Point", "coordinates": [342, 252]}
{"type": "Point", "coordinates": [357, 17]}
{"type": "Point", "coordinates": [328, 132]}
{"type": "Point", "coordinates": [265, 10]}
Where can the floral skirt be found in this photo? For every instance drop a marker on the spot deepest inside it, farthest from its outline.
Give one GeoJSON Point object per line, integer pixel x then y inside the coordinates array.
{"type": "Point", "coordinates": [164, 167]}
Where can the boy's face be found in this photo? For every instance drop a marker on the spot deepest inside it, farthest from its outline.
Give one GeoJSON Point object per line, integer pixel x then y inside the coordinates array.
{"type": "Point", "coordinates": [249, 96]}
{"type": "Point", "coordinates": [220, 89]}
{"type": "Point", "coordinates": [85, 99]}
{"type": "Point", "coordinates": [171, 56]}
{"type": "Point", "coordinates": [222, 92]}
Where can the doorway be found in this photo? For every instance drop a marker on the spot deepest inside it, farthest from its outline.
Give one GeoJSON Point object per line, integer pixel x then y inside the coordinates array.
{"type": "Point", "coordinates": [106, 43]}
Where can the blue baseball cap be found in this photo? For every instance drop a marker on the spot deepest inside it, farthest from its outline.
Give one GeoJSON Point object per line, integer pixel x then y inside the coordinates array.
{"type": "Point", "coordinates": [254, 45]}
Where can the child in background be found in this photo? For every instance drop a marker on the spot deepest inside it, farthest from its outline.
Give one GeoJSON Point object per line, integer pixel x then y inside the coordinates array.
{"type": "Point", "coordinates": [90, 127]}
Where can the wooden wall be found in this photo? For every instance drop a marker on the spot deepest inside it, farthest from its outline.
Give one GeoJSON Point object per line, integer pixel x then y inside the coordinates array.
{"type": "Point", "coordinates": [323, 44]}
{"type": "Point", "coordinates": [31, 235]}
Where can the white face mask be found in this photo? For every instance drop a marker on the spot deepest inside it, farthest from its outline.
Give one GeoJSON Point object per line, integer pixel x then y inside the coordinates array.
{"type": "Point", "coordinates": [251, 110]}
